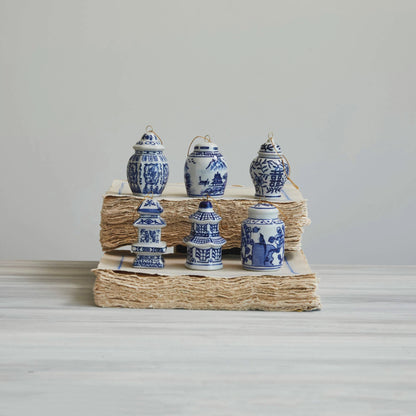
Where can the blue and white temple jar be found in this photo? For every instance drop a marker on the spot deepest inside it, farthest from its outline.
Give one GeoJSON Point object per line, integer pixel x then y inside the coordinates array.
{"type": "Point", "coordinates": [204, 243]}
{"type": "Point", "coordinates": [149, 247]}
{"type": "Point", "coordinates": [205, 170]}
{"type": "Point", "coordinates": [262, 238]}
{"type": "Point", "coordinates": [269, 170]}
{"type": "Point", "coordinates": [147, 169]}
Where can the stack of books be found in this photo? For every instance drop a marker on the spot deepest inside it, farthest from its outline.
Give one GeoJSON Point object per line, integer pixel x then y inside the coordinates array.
{"type": "Point", "coordinates": [291, 288]}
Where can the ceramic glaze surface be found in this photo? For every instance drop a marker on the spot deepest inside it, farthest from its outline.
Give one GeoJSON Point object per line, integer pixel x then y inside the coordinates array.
{"type": "Point", "coordinates": [149, 248]}
{"type": "Point", "coordinates": [205, 171]}
{"type": "Point", "coordinates": [204, 243]}
{"type": "Point", "coordinates": [147, 169]}
{"type": "Point", "coordinates": [269, 171]}
{"type": "Point", "coordinates": [262, 239]}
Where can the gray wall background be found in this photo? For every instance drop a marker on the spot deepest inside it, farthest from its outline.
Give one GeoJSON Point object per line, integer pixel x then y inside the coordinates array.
{"type": "Point", "coordinates": [335, 81]}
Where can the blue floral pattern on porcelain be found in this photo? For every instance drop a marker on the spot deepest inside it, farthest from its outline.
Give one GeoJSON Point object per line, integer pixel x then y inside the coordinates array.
{"type": "Point", "coordinates": [148, 169]}
{"type": "Point", "coordinates": [269, 171]}
{"type": "Point", "coordinates": [206, 171]}
{"type": "Point", "coordinates": [149, 248]}
{"type": "Point", "coordinates": [262, 238]}
{"type": "Point", "coordinates": [204, 243]}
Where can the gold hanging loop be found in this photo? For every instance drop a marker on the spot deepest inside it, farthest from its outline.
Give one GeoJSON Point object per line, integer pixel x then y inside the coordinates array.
{"type": "Point", "coordinates": [148, 196]}
{"type": "Point", "coordinates": [206, 138]}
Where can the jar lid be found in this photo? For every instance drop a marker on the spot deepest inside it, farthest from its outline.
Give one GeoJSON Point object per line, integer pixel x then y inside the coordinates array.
{"type": "Point", "coordinates": [267, 149]}
{"type": "Point", "coordinates": [263, 211]}
{"type": "Point", "coordinates": [205, 147]}
{"type": "Point", "coordinates": [149, 141]}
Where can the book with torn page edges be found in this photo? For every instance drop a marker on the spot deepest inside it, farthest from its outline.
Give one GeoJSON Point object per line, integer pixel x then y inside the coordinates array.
{"type": "Point", "coordinates": [119, 211]}
{"type": "Point", "coordinates": [291, 288]}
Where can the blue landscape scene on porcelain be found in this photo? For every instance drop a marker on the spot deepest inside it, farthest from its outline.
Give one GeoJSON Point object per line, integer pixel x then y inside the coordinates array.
{"type": "Point", "coordinates": [262, 238]}
{"type": "Point", "coordinates": [147, 168]}
{"type": "Point", "coordinates": [205, 171]}
{"type": "Point", "coordinates": [269, 171]}
{"type": "Point", "coordinates": [204, 243]}
{"type": "Point", "coordinates": [149, 247]}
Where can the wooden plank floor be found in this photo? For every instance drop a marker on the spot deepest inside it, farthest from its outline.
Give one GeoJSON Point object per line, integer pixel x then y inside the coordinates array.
{"type": "Point", "coordinates": [61, 355]}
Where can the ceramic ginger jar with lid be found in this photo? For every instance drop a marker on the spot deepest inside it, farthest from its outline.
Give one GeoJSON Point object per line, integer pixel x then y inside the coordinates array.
{"type": "Point", "coordinates": [147, 169]}
{"type": "Point", "coordinates": [262, 238]}
{"type": "Point", "coordinates": [206, 171]}
{"type": "Point", "coordinates": [204, 243]}
{"type": "Point", "coordinates": [269, 170]}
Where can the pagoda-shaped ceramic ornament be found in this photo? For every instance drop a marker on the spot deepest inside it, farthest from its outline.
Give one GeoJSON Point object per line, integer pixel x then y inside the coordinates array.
{"type": "Point", "coordinates": [269, 170]}
{"type": "Point", "coordinates": [204, 243]}
{"type": "Point", "coordinates": [149, 248]}
{"type": "Point", "coordinates": [205, 170]}
{"type": "Point", "coordinates": [147, 169]}
{"type": "Point", "coordinates": [262, 238]}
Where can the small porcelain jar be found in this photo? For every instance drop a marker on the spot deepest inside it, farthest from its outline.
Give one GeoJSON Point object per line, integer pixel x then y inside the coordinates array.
{"type": "Point", "coordinates": [147, 169]}
{"type": "Point", "coordinates": [262, 238]}
{"type": "Point", "coordinates": [205, 170]}
{"type": "Point", "coordinates": [149, 248]}
{"type": "Point", "coordinates": [269, 171]}
{"type": "Point", "coordinates": [204, 243]}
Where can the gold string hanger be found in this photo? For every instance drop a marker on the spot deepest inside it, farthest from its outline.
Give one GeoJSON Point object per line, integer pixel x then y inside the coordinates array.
{"type": "Point", "coordinates": [210, 199]}
{"type": "Point", "coordinates": [207, 138]}
{"type": "Point", "coordinates": [146, 196]}
{"type": "Point", "coordinates": [282, 158]}
{"type": "Point", "coordinates": [149, 129]}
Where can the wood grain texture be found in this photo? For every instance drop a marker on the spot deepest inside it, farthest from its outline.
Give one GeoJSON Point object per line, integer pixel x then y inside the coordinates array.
{"type": "Point", "coordinates": [59, 354]}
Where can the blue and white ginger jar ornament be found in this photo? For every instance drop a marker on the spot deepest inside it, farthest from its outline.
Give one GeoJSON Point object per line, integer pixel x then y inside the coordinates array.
{"type": "Point", "coordinates": [147, 169]}
{"type": "Point", "coordinates": [262, 238]}
{"type": "Point", "coordinates": [149, 248]}
{"type": "Point", "coordinates": [269, 170]}
{"type": "Point", "coordinates": [206, 171]}
{"type": "Point", "coordinates": [204, 243]}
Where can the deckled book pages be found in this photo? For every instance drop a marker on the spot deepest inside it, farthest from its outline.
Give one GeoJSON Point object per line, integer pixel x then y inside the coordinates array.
{"type": "Point", "coordinates": [119, 212]}
{"type": "Point", "coordinates": [291, 288]}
